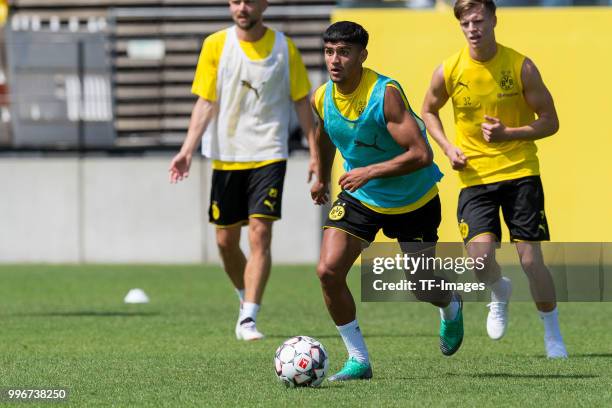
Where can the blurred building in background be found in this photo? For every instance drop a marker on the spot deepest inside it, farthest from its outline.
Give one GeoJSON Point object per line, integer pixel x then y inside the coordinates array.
{"type": "Point", "coordinates": [95, 97]}
{"type": "Point", "coordinates": [449, 3]}
{"type": "Point", "coordinates": [4, 110]}
{"type": "Point", "coordinates": [136, 95]}
{"type": "Point", "coordinates": [136, 70]}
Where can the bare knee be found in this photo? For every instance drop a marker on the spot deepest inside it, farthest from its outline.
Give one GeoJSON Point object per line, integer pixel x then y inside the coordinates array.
{"type": "Point", "coordinates": [260, 236]}
{"type": "Point", "coordinates": [485, 254]}
{"type": "Point", "coordinates": [485, 251]}
{"type": "Point", "coordinates": [328, 276]}
{"type": "Point", "coordinates": [531, 264]}
{"type": "Point", "coordinates": [227, 243]}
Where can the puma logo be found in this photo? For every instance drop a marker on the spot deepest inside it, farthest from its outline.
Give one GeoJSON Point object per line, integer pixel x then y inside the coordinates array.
{"type": "Point", "coordinates": [270, 204]}
{"type": "Point", "coordinates": [248, 85]}
{"type": "Point", "coordinates": [466, 85]}
{"type": "Point", "coordinates": [374, 146]}
{"type": "Point", "coordinates": [543, 218]}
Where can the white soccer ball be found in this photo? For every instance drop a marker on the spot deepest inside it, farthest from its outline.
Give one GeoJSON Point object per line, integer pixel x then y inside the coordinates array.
{"type": "Point", "coordinates": [301, 361]}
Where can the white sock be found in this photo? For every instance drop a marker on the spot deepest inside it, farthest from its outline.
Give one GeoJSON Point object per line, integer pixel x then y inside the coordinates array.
{"type": "Point", "coordinates": [499, 290]}
{"type": "Point", "coordinates": [249, 310]}
{"type": "Point", "coordinates": [551, 324]}
{"type": "Point", "coordinates": [450, 311]}
{"type": "Point", "coordinates": [240, 293]}
{"type": "Point", "coordinates": [354, 342]}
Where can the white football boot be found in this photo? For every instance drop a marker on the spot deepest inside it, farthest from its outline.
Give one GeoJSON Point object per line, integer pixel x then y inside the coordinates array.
{"type": "Point", "coordinates": [553, 341]}
{"type": "Point", "coordinates": [246, 330]}
{"type": "Point", "coordinates": [555, 349]}
{"type": "Point", "coordinates": [497, 319]}
{"type": "Point", "coordinates": [236, 330]}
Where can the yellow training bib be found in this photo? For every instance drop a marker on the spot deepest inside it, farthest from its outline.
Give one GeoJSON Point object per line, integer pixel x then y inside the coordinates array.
{"type": "Point", "coordinates": [492, 88]}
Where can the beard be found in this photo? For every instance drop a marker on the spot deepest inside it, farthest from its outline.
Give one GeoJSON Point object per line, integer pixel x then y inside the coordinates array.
{"type": "Point", "coordinates": [250, 23]}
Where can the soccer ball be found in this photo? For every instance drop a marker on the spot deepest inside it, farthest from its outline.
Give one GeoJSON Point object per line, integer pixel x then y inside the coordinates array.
{"type": "Point", "coordinates": [301, 361]}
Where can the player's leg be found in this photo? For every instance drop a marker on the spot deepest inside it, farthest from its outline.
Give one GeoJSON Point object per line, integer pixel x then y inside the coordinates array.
{"type": "Point", "coordinates": [256, 275]}
{"type": "Point", "coordinates": [484, 247]}
{"type": "Point", "coordinates": [339, 250]}
{"type": "Point", "coordinates": [523, 210]}
{"type": "Point", "coordinates": [264, 188]}
{"type": "Point", "coordinates": [543, 292]}
{"type": "Point", "coordinates": [349, 226]}
{"type": "Point", "coordinates": [234, 261]}
{"type": "Point", "coordinates": [540, 280]}
{"type": "Point", "coordinates": [258, 265]}
{"type": "Point", "coordinates": [480, 227]}
{"type": "Point", "coordinates": [417, 234]}
{"type": "Point", "coordinates": [228, 212]}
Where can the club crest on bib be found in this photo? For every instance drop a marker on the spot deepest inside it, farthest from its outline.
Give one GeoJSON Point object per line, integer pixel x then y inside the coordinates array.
{"type": "Point", "coordinates": [506, 82]}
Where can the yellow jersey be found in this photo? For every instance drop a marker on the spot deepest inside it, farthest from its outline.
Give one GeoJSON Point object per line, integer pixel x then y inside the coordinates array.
{"type": "Point", "coordinates": [3, 11]}
{"type": "Point", "coordinates": [351, 107]}
{"type": "Point", "coordinates": [205, 79]}
{"type": "Point", "coordinates": [492, 88]}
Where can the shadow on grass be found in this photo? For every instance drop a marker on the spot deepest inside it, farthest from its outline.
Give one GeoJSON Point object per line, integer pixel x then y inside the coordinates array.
{"type": "Point", "coordinates": [512, 375]}
{"type": "Point", "coordinates": [572, 356]}
{"type": "Point", "coordinates": [88, 313]}
{"type": "Point", "coordinates": [367, 336]}
{"type": "Point", "coordinates": [589, 355]}
{"type": "Point", "coordinates": [326, 386]}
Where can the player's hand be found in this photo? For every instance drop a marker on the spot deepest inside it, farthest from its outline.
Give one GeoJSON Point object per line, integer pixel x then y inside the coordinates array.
{"type": "Point", "coordinates": [494, 131]}
{"type": "Point", "coordinates": [319, 193]}
{"type": "Point", "coordinates": [313, 165]}
{"type": "Point", "coordinates": [456, 157]}
{"type": "Point", "coordinates": [354, 179]}
{"type": "Point", "coordinates": [179, 167]}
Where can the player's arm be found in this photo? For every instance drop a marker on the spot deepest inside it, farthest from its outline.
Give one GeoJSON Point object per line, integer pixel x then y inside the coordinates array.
{"type": "Point", "coordinates": [539, 99]}
{"type": "Point", "coordinates": [202, 113]}
{"type": "Point", "coordinates": [205, 87]}
{"type": "Point", "coordinates": [304, 114]}
{"type": "Point", "coordinates": [405, 131]}
{"type": "Point", "coordinates": [300, 88]}
{"type": "Point", "coordinates": [435, 98]}
{"type": "Point", "coordinates": [322, 151]}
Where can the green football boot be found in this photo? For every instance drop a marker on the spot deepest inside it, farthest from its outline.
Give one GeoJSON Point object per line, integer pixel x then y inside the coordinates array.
{"type": "Point", "coordinates": [353, 370]}
{"type": "Point", "coordinates": [451, 331]}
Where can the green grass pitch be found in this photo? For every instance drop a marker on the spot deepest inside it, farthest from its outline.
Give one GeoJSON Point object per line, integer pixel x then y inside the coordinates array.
{"type": "Point", "coordinates": [67, 326]}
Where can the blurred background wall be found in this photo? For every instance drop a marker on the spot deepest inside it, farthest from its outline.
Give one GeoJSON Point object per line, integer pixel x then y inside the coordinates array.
{"type": "Point", "coordinates": [571, 47]}
{"type": "Point", "coordinates": [117, 209]}
{"type": "Point", "coordinates": [87, 132]}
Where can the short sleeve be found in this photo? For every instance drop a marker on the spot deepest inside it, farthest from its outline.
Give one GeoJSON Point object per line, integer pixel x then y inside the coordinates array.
{"type": "Point", "coordinates": [205, 78]}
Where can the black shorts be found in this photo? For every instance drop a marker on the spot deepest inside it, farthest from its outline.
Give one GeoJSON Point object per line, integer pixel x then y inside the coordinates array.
{"type": "Point", "coordinates": [350, 215]}
{"type": "Point", "coordinates": [237, 195]}
{"type": "Point", "coordinates": [522, 204]}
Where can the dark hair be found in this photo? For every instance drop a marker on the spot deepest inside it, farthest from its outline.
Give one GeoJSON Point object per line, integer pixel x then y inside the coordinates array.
{"type": "Point", "coordinates": [461, 6]}
{"type": "Point", "coordinates": [348, 32]}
